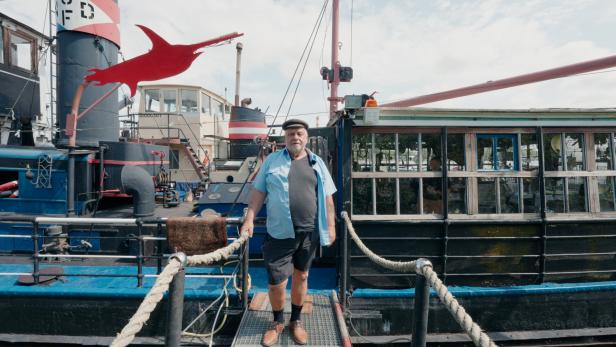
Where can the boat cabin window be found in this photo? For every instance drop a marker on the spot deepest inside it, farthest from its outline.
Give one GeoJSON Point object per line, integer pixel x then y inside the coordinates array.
{"type": "Point", "coordinates": [170, 97]}
{"type": "Point", "coordinates": [604, 161]}
{"type": "Point", "coordinates": [217, 109]}
{"type": "Point", "coordinates": [564, 152]}
{"type": "Point", "coordinates": [174, 159]}
{"type": "Point", "coordinates": [152, 100]}
{"type": "Point", "coordinates": [190, 101]}
{"type": "Point", "coordinates": [205, 104]}
{"type": "Point", "coordinates": [1, 45]}
{"type": "Point", "coordinates": [497, 152]}
{"type": "Point", "coordinates": [21, 50]}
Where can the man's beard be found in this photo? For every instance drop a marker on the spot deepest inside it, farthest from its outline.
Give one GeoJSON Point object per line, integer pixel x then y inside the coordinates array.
{"type": "Point", "coordinates": [295, 149]}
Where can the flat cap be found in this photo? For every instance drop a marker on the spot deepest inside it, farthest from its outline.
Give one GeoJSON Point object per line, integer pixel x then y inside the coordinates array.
{"type": "Point", "coordinates": [294, 123]}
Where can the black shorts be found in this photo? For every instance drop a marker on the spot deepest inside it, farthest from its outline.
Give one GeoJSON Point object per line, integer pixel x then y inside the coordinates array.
{"type": "Point", "coordinates": [282, 255]}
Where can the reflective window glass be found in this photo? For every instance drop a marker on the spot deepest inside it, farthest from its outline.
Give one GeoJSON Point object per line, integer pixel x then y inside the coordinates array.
{"type": "Point", "coordinates": [486, 190]}
{"type": "Point", "coordinates": [606, 193]}
{"type": "Point", "coordinates": [505, 150]}
{"type": "Point", "coordinates": [152, 100]}
{"type": "Point", "coordinates": [432, 195]}
{"type": "Point", "coordinates": [603, 152]}
{"type": "Point", "coordinates": [217, 109]}
{"type": "Point", "coordinates": [362, 196]}
{"type": "Point", "coordinates": [362, 152]}
{"type": "Point", "coordinates": [456, 195]}
{"type": "Point", "coordinates": [530, 194]}
{"type": "Point", "coordinates": [455, 152]}
{"type": "Point", "coordinates": [20, 50]}
{"type": "Point", "coordinates": [509, 195]}
{"type": "Point", "coordinates": [205, 104]}
{"type": "Point", "coordinates": [385, 152]}
{"type": "Point", "coordinates": [552, 147]}
{"type": "Point", "coordinates": [574, 151]}
{"type": "Point", "coordinates": [386, 196]}
{"type": "Point", "coordinates": [170, 100]}
{"type": "Point", "coordinates": [431, 149]}
{"type": "Point", "coordinates": [408, 153]}
{"type": "Point", "coordinates": [529, 152]}
{"type": "Point", "coordinates": [577, 194]}
{"type": "Point", "coordinates": [485, 157]}
{"type": "Point", "coordinates": [555, 194]}
{"type": "Point", "coordinates": [409, 190]}
{"type": "Point", "coordinates": [189, 101]}
{"type": "Point", "coordinates": [1, 45]}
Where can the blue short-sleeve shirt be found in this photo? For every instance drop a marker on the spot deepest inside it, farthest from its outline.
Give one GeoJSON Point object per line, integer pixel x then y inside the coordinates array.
{"type": "Point", "coordinates": [273, 179]}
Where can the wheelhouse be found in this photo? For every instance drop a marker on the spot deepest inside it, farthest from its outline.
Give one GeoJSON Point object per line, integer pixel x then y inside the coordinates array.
{"type": "Point", "coordinates": [491, 197]}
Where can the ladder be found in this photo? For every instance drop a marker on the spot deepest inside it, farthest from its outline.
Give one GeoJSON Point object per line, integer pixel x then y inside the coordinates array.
{"type": "Point", "coordinates": [194, 160]}
{"type": "Point", "coordinates": [323, 321]}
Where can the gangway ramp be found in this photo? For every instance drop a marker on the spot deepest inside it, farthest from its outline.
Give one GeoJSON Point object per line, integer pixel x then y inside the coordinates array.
{"type": "Point", "coordinates": [321, 315]}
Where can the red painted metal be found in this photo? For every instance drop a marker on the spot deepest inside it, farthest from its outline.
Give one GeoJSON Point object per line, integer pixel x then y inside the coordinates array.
{"type": "Point", "coordinates": [163, 60]}
{"type": "Point", "coordinates": [539, 76]}
{"type": "Point", "coordinates": [8, 186]}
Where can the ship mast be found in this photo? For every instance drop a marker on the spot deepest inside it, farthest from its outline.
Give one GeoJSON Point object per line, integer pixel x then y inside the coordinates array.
{"type": "Point", "coordinates": [335, 79]}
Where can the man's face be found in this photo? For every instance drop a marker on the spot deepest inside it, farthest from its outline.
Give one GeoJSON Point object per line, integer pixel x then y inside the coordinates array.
{"type": "Point", "coordinates": [295, 139]}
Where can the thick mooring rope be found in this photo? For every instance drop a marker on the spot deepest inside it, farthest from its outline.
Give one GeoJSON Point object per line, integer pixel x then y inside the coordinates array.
{"type": "Point", "coordinates": [126, 336]}
{"type": "Point", "coordinates": [471, 328]}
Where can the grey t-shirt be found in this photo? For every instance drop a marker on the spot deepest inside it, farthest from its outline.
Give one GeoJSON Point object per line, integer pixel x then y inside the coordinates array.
{"type": "Point", "coordinates": [303, 195]}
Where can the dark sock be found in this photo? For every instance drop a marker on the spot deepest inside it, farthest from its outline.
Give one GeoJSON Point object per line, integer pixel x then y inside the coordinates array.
{"type": "Point", "coordinates": [279, 316]}
{"type": "Point", "coordinates": [295, 312]}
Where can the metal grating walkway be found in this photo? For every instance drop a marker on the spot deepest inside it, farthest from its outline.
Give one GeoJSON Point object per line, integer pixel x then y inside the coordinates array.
{"type": "Point", "coordinates": [321, 324]}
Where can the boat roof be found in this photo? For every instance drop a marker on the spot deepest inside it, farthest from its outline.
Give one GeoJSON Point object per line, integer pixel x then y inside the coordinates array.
{"type": "Point", "coordinates": [33, 31]}
{"type": "Point", "coordinates": [421, 116]}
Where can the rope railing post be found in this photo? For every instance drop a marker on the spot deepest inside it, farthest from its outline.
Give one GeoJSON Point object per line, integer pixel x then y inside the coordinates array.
{"type": "Point", "coordinates": [421, 305]}
{"type": "Point", "coordinates": [472, 329]}
{"type": "Point", "coordinates": [245, 259]}
{"type": "Point", "coordinates": [36, 260]}
{"type": "Point", "coordinates": [176, 304]}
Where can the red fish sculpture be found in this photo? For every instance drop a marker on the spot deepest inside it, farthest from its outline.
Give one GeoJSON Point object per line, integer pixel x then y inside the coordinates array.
{"type": "Point", "coordinates": [163, 60]}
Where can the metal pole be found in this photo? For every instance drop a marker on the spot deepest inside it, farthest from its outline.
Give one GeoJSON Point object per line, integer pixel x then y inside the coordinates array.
{"type": "Point", "coordinates": [139, 254]}
{"type": "Point", "coordinates": [71, 182]}
{"type": "Point", "coordinates": [333, 99]}
{"type": "Point", "coordinates": [245, 275]}
{"type": "Point", "coordinates": [238, 63]}
{"type": "Point", "coordinates": [37, 260]}
{"type": "Point", "coordinates": [421, 306]}
{"type": "Point", "coordinates": [176, 309]}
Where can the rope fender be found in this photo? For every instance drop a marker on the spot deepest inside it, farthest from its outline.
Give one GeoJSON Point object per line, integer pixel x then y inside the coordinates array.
{"type": "Point", "coordinates": [155, 295]}
{"type": "Point", "coordinates": [424, 268]}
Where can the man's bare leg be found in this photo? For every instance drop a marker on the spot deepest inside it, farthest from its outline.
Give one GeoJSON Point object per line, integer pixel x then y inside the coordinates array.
{"type": "Point", "coordinates": [299, 287]}
{"type": "Point", "coordinates": [276, 295]}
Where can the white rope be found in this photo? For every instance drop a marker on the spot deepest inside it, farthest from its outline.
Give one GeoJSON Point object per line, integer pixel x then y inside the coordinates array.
{"type": "Point", "coordinates": [392, 265]}
{"type": "Point", "coordinates": [471, 328]}
{"type": "Point", "coordinates": [126, 336]}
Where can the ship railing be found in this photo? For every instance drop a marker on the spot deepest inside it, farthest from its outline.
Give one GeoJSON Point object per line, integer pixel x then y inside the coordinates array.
{"type": "Point", "coordinates": [426, 278]}
{"type": "Point", "coordinates": [140, 239]}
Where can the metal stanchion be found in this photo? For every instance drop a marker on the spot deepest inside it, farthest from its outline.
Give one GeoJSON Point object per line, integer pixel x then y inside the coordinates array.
{"type": "Point", "coordinates": [176, 305]}
{"type": "Point", "coordinates": [420, 309]}
{"type": "Point", "coordinates": [245, 275]}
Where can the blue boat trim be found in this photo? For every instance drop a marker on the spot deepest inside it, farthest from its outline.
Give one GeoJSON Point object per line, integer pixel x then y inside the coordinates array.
{"type": "Point", "coordinates": [126, 287]}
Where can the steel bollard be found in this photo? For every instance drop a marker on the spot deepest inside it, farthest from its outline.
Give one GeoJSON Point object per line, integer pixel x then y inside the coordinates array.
{"type": "Point", "coordinates": [176, 306]}
{"type": "Point", "coordinates": [421, 306]}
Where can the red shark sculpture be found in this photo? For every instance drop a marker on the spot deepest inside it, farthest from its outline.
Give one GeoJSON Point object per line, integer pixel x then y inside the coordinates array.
{"type": "Point", "coordinates": [163, 60]}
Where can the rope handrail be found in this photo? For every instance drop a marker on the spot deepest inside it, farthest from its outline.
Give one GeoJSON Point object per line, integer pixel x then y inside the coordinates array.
{"type": "Point", "coordinates": [424, 268]}
{"type": "Point", "coordinates": [155, 295]}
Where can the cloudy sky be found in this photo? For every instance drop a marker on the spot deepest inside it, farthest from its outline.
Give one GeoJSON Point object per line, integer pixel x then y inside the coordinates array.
{"type": "Point", "coordinates": [399, 48]}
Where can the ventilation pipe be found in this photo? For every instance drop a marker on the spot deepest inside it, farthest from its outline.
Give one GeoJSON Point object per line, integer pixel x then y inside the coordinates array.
{"type": "Point", "coordinates": [137, 182]}
{"type": "Point", "coordinates": [238, 63]}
